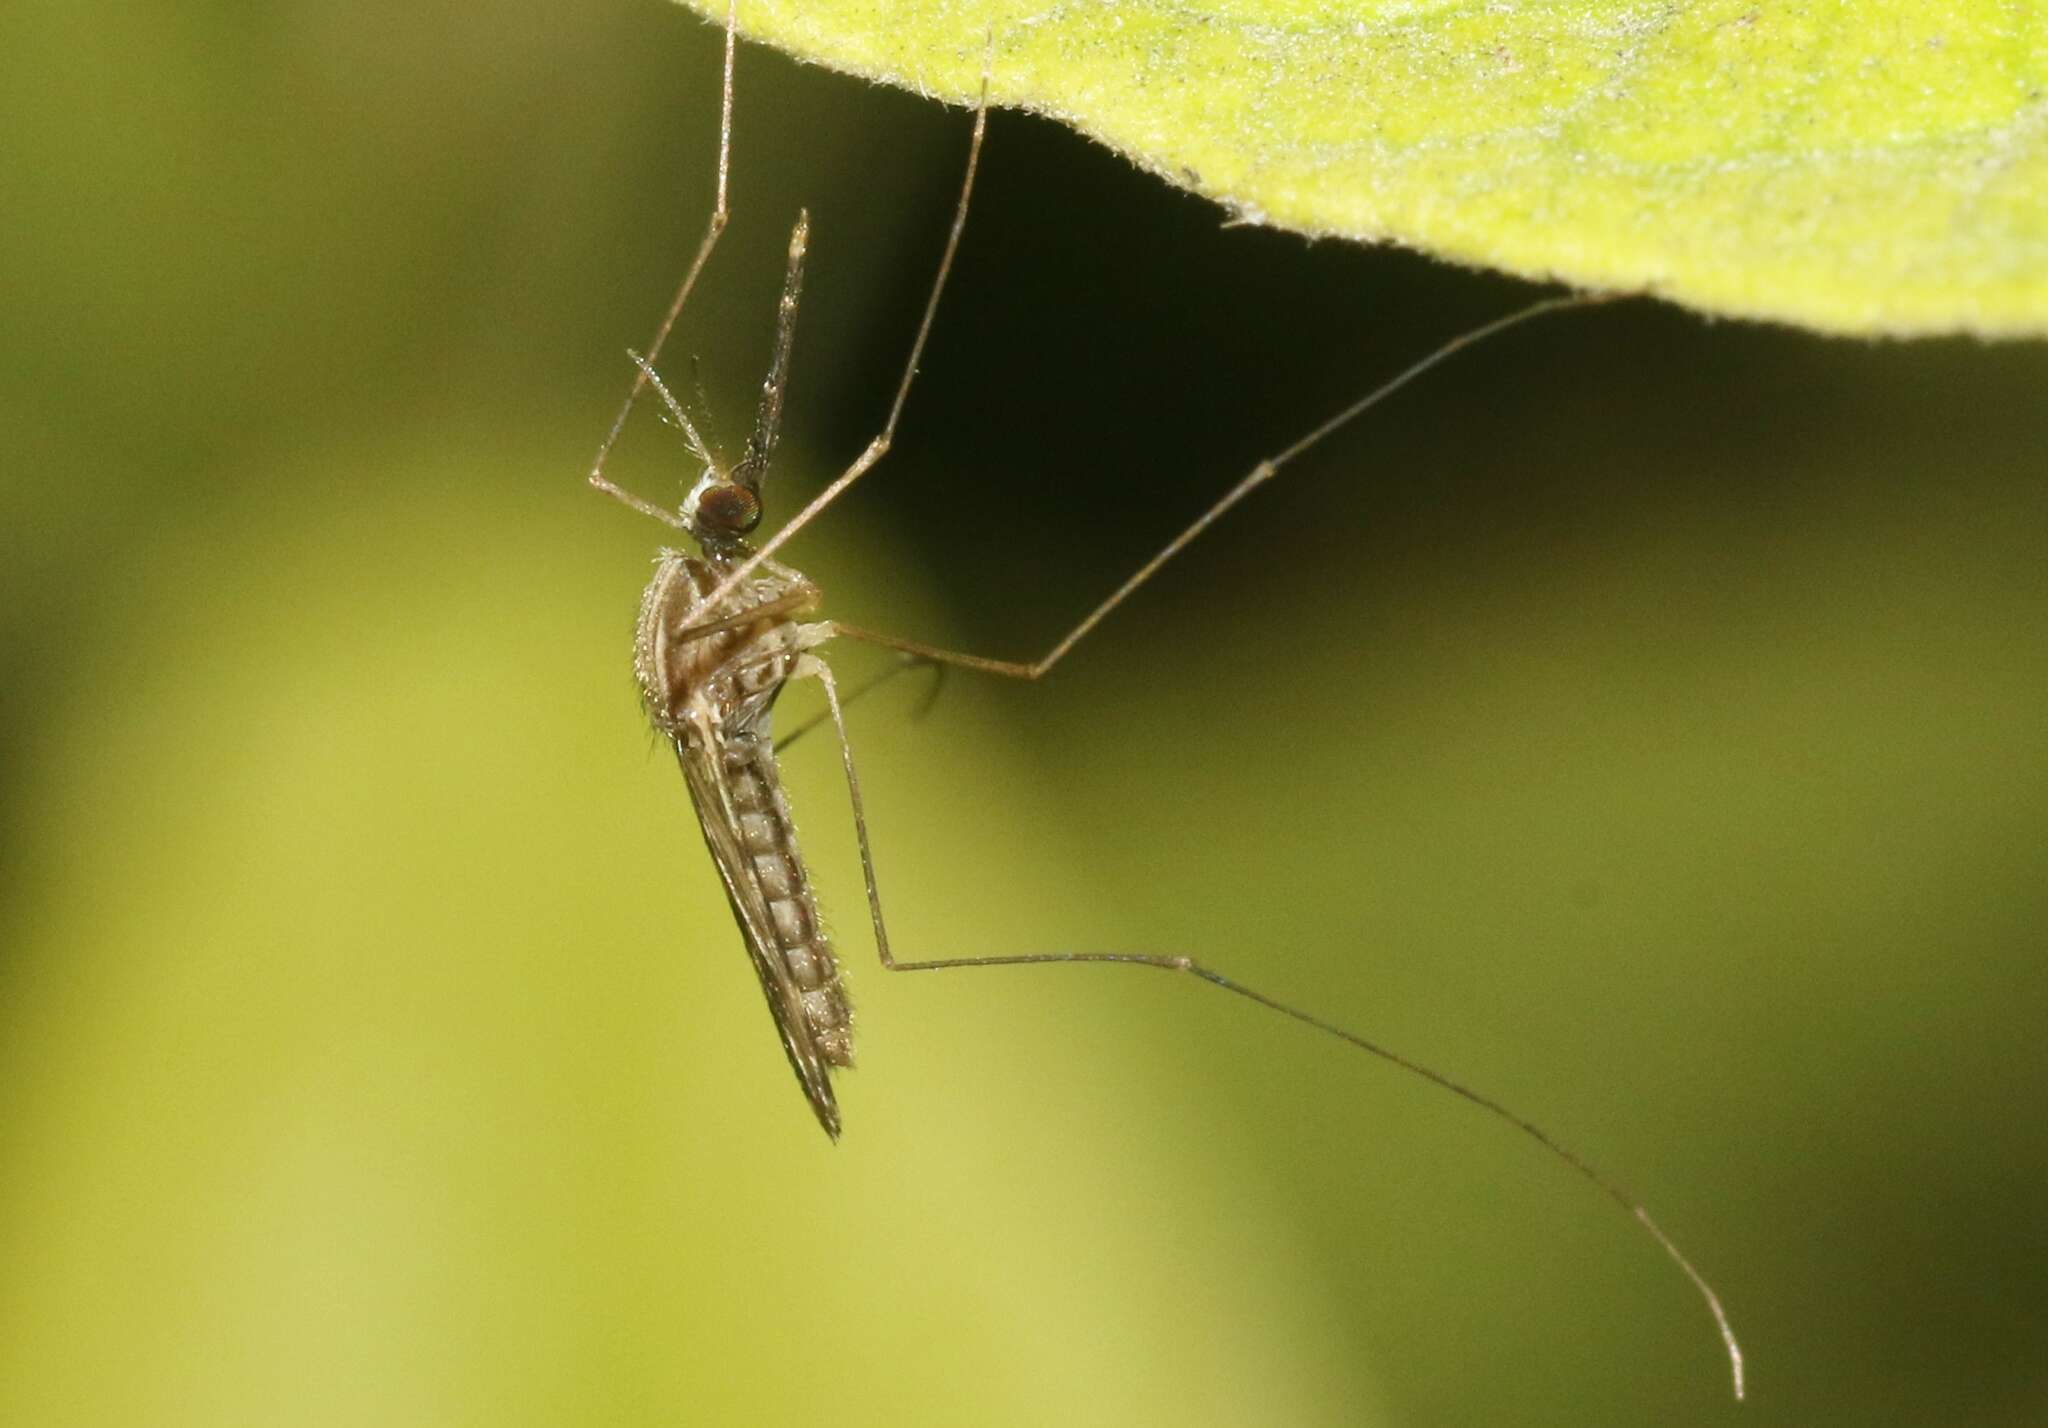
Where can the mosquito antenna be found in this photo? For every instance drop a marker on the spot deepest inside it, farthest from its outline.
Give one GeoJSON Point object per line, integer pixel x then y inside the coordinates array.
{"type": "Point", "coordinates": [703, 396]}
{"type": "Point", "coordinates": [676, 414]}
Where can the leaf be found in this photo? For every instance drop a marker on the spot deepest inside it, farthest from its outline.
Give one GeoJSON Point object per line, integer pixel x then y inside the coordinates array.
{"type": "Point", "coordinates": [1876, 167]}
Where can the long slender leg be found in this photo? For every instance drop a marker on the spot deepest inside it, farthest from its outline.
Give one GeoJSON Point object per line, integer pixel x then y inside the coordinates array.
{"type": "Point", "coordinates": [1258, 476]}
{"type": "Point", "coordinates": [809, 666]}
{"type": "Point", "coordinates": [720, 214]}
{"type": "Point", "coordinates": [879, 447]}
{"type": "Point", "coordinates": [868, 686]}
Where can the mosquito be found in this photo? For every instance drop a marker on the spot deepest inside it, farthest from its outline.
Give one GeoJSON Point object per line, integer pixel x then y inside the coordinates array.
{"type": "Point", "coordinates": [723, 632]}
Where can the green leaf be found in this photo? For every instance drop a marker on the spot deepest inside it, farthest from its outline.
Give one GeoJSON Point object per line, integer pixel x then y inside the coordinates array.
{"type": "Point", "coordinates": [1875, 167]}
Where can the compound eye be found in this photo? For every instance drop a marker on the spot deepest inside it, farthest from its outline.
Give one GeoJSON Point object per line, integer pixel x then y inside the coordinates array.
{"type": "Point", "coordinates": [728, 508]}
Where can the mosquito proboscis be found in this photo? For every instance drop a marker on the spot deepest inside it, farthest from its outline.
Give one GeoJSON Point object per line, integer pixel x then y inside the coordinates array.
{"type": "Point", "coordinates": [722, 633]}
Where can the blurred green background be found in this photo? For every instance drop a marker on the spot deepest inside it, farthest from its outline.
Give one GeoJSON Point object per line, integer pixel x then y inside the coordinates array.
{"type": "Point", "coordinates": [1643, 719]}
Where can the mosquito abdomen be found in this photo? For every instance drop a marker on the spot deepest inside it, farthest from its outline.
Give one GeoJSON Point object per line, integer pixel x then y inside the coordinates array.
{"type": "Point", "coordinates": [768, 837]}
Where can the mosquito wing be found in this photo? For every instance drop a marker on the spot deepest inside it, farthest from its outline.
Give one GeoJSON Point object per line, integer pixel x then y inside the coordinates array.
{"type": "Point", "coordinates": [709, 794]}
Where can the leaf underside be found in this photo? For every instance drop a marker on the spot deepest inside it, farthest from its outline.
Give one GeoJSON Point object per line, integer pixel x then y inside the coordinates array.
{"type": "Point", "coordinates": [1876, 168]}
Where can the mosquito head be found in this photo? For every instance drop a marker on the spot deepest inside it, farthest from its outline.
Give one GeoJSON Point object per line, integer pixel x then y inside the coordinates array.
{"type": "Point", "coordinates": [721, 509]}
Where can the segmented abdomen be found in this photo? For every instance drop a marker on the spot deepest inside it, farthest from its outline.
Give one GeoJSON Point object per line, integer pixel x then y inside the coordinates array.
{"type": "Point", "coordinates": [767, 837]}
